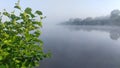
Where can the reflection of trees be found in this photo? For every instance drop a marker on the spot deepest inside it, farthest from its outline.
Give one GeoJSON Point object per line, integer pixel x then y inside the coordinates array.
{"type": "Point", "coordinates": [114, 35]}
{"type": "Point", "coordinates": [113, 31]}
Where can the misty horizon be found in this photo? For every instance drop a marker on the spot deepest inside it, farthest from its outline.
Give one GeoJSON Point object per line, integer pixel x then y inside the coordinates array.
{"type": "Point", "coordinates": [112, 19]}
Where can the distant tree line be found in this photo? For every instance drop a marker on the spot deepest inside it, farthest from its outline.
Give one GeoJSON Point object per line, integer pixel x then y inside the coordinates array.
{"type": "Point", "coordinates": [112, 19]}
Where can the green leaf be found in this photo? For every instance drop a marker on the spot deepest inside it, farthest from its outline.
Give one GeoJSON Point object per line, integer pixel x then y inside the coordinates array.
{"type": "Point", "coordinates": [28, 10]}
{"type": "Point", "coordinates": [38, 12]}
{"type": "Point", "coordinates": [17, 7]}
{"type": "Point", "coordinates": [39, 23]}
{"type": "Point", "coordinates": [6, 13]}
{"type": "Point", "coordinates": [13, 16]}
{"type": "Point", "coordinates": [1, 58]}
{"type": "Point", "coordinates": [2, 66]}
{"type": "Point", "coordinates": [41, 42]}
{"type": "Point", "coordinates": [8, 48]}
{"type": "Point", "coordinates": [32, 15]}
{"type": "Point", "coordinates": [23, 67]}
{"type": "Point", "coordinates": [17, 61]}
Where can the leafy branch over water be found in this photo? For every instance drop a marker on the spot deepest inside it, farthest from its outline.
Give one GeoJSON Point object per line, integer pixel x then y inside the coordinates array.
{"type": "Point", "coordinates": [20, 46]}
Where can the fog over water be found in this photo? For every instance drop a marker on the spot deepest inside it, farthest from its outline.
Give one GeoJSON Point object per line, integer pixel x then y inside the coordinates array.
{"type": "Point", "coordinates": [90, 39]}
{"type": "Point", "coordinates": [81, 46]}
{"type": "Point", "coordinates": [86, 45]}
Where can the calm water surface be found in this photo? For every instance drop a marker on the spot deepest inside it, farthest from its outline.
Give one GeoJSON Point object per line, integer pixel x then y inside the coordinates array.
{"type": "Point", "coordinates": [81, 46]}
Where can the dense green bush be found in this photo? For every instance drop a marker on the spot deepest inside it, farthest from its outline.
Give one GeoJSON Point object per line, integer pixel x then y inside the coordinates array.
{"type": "Point", "coordinates": [20, 46]}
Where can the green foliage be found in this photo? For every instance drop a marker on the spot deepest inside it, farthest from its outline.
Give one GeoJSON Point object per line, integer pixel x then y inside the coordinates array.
{"type": "Point", "coordinates": [20, 46]}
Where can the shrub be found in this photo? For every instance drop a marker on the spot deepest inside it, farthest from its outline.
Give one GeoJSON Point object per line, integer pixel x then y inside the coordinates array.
{"type": "Point", "coordinates": [20, 46]}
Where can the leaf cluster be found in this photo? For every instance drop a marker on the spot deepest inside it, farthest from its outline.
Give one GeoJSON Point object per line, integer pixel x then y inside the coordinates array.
{"type": "Point", "coordinates": [20, 46]}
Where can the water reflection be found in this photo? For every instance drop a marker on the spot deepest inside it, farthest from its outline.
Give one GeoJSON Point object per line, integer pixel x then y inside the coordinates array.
{"type": "Point", "coordinates": [82, 47]}
{"type": "Point", "coordinates": [114, 31]}
{"type": "Point", "coordinates": [114, 35]}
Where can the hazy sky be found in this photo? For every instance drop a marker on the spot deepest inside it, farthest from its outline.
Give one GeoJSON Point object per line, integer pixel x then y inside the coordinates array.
{"type": "Point", "coordinates": [64, 9]}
